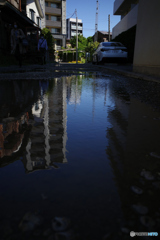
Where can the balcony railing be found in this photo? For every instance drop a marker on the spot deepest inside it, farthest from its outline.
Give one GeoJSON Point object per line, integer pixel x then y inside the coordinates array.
{"type": "Point", "coordinates": [53, 10]}
{"type": "Point", "coordinates": [123, 6]}
{"type": "Point", "coordinates": [74, 27]}
{"type": "Point", "coordinates": [50, 23]}
{"type": "Point", "coordinates": [127, 22]}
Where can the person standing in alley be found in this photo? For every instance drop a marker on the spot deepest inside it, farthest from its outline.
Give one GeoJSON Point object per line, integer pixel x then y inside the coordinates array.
{"type": "Point", "coordinates": [16, 43]}
{"type": "Point", "coordinates": [42, 48]}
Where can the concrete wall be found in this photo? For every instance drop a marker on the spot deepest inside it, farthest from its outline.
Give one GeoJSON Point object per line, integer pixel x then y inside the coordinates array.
{"type": "Point", "coordinates": [63, 17]}
{"type": "Point", "coordinates": [43, 21]}
{"type": "Point", "coordinates": [126, 23]}
{"type": "Point", "coordinates": [117, 4]}
{"type": "Point", "coordinates": [147, 45]}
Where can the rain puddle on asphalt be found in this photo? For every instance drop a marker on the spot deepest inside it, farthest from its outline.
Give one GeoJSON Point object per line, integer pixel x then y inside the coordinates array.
{"type": "Point", "coordinates": [78, 160]}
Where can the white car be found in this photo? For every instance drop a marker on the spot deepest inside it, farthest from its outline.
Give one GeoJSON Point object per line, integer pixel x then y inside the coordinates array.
{"type": "Point", "coordinates": [110, 51]}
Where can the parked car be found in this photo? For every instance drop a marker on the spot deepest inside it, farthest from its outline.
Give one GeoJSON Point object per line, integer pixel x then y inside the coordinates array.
{"type": "Point", "coordinates": [110, 51]}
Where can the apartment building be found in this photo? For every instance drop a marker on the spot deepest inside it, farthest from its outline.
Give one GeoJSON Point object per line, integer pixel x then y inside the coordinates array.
{"type": "Point", "coordinates": [128, 10]}
{"type": "Point", "coordinates": [55, 15]}
{"type": "Point", "coordinates": [71, 27]}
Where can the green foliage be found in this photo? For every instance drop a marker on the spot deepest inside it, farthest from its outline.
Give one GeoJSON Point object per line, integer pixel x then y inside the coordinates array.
{"type": "Point", "coordinates": [84, 45]}
{"type": "Point", "coordinates": [89, 40]}
{"type": "Point", "coordinates": [82, 42]}
{"type": "Point", "coordinates": [127, 38]}
{"type": "Point", "coordinates": [50, 40]}
{"type": "Point", "coordinates": [91, 47]}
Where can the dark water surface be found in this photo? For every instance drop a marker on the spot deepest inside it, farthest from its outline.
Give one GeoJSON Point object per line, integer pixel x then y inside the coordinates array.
{"type": "Point", "coordinates": [83, 148]}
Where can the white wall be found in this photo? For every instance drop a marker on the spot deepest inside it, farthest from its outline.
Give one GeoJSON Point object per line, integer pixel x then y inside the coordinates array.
{"type": "Point", "coordinates": [30, 4]}
{"type": "Point", "coordinates": [126, 23]}
{"type": "Point", "coordinates": [147, 45]}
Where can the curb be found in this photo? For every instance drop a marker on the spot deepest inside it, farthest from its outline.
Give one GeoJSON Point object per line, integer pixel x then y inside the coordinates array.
{"type": "Point", "coordinates": [133, 74]}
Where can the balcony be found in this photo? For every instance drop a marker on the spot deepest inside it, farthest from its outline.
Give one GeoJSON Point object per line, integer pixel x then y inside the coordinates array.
{"type": "Point", "coordinates": [126, 23]}
{"type": "Point", "coordinates": [56, 11]}
{"type": "Point", "coordinates": [74, 27]}
{"type": "Point", "coordinates": [50, 23]}
{"type": "Point", "coordinates": [123, 6]}
{"type": "Point", "coordinates": [74, 34]}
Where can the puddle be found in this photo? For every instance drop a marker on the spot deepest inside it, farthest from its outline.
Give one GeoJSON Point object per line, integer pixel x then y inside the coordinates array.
{"type": "Point", "coordinates": [79, 154]}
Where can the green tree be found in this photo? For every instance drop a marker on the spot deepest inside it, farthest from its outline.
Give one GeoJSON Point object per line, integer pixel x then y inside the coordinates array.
{"type": "Point", "coordinates": [48, 36]}
{"type": "Point", "coordinates": [82, 42]}
{"type": "Point", "coordinates": [91, 47]}
{"type": "Point", "coordinates": [89, 39]}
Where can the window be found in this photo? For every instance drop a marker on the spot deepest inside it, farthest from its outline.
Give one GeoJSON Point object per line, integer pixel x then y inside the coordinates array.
{"type": "Point", "coordinates": [32, 14]}
{"type": "Point", "coordinates": [53, 18]}
{"type": "Point", "coordinates": [38, 21]}
{"type": "Point", "coordinates": [55, 5]}
{"type": "Point", "coordinates": [46, 4]}
{"type": "Point", "coordinates": [47, 17]}
{"type": "Point", "coordinates": [58, 42]}
{"type": "Point", "coordinates": [55, 30]}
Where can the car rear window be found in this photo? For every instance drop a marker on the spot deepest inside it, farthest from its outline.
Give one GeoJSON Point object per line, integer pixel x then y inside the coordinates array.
{"type": "Point", "coordinates": [109, 44]}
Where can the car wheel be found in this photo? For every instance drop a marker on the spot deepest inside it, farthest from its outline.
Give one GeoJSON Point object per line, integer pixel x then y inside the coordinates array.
{"type": "Point", "coordinates": [101, 62]}
{"type": "Point", "coordinates": [97, 60]}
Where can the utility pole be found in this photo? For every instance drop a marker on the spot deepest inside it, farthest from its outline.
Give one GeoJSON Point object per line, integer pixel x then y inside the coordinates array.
{"type": "Point", "coordinates": [76, 37]}
{"type": "Point", "coordinates": [109, 37]}
{"type": "Point", "coordinates": [96, 24]}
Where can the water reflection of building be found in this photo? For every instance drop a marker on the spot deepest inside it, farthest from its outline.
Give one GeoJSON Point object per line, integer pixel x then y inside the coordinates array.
{"type": "Point", "coordinates": [132, 135]}
{"type": "Point", "coordinates": [74, 89]}
{"type": "Point", "coordinates": [44, 103]}
{"type": "Point", "coordinates": [16, 99]}
{"type": "Point", "coordinates": [47, 143]}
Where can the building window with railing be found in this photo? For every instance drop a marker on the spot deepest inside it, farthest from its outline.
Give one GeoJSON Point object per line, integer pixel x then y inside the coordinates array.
{"type": "Point", "coordinates": [55, 5]}
{"type": "Point", "coordinates": [55, 18]}
{"type": "Point", "coordinates": [55, 30]}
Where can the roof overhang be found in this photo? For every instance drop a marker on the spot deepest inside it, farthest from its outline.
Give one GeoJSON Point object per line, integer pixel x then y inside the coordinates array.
{"type": "Point", "coordinates": [12, 11]}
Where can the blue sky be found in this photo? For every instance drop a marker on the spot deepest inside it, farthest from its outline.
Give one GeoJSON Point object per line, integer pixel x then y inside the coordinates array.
{"type": "Point", "coordinates": [86, 10]}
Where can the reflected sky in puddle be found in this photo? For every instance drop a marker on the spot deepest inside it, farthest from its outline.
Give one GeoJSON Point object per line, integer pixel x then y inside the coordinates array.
{"type": "Point", "coordinates": [78, 147]}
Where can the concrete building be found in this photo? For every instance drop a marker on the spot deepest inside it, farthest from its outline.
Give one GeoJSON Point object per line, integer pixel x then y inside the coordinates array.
{"type": "Point", "coordinates": [55, 14]}
{"type": "Point", "coordinates": [147, 47]}
{"type": "Point", "coordinates": [143, 14]}
{"type": "Point", "coordinates": [128, 10]}
{"type": "Point", "coordinates": [71, 27]}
